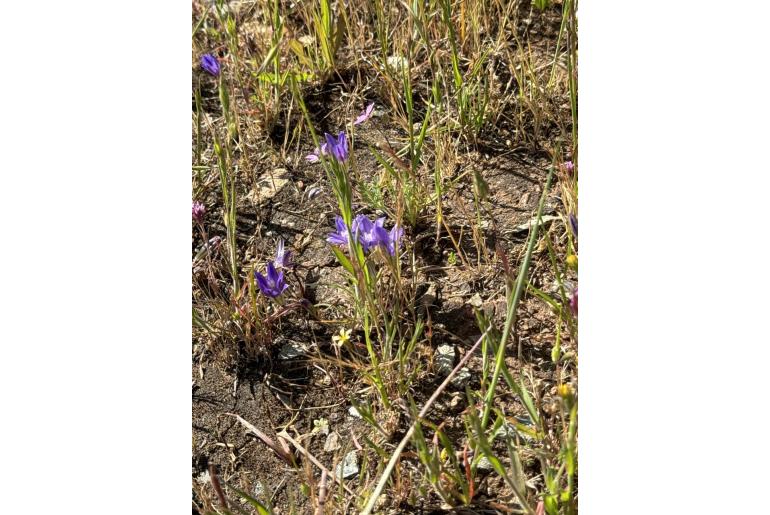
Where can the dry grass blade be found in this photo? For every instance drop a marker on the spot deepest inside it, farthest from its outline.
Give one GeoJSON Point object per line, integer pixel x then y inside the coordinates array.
{"type": "Point", "coordinates": [217, 486]}
{"type": "Point", "coordinates": [283, 453]}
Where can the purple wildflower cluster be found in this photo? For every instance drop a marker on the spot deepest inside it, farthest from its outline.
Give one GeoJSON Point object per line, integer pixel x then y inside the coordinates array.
{"type": "Point", "coordinates": [338, 147]}
{"type": "Point", "coordinates": [315, 156]}
{"type": "Point", "coordinates": [273, 284]}
{"type": "Point", "coordinates": [365, 114]}
{"type": "Point", "coordinates": [198, 210]}
{"type": "Point", "coordinates": [210, 64]}
{"type": "Point", "coordinates": [283, 257]}
{"type": "Point", "coordinates": [369, 234]}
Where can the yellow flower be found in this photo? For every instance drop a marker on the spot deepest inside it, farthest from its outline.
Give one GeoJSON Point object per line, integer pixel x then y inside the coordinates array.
{"type": "Point", "coordinates": [341, 339]}
{"type": "Point", "coordinates": [566, 392]}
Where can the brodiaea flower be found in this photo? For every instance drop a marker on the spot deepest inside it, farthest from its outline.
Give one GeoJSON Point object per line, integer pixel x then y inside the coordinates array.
{"type": "Point", "coordinates": [337, 147]}
{"type": "Point", "coordinates": [316, 155]}
{"type": "Point", "coordinates": [273, 285]}
{"type": "Point", "coordinates": [573, 224]}
{"type": "Point", "coordinates": [283, 256]}
{"type": "Point", "coordinates": [569, 167]}
{"type": "Point", "coordinates": [365, 115]}
{"type": "Point", "coordinates": [198, 210]}
{"type": "Point", "coordinates": [394, 239]}
{"type": "Point", "coordinates": [210, 64]}
{"type": "Point", "coordinates": [370, 234]}
{"type": "Point", "coordinates": [340, 237]}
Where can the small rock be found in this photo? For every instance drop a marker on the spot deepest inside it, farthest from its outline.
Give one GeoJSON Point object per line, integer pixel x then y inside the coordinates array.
{"type": "Point", "coordinates": [429, 297]}
{"type": "Point", "coordinates": [349, 466]}
{"type": "Point", "coordinates": [291, 350]}
{"type": "Point", "coordinates": [269, 184]}
{"type": "Point", "coordinates": [204, 478]}
{"type": "Point", "coordinates": [332, 442]}
{"type": "Point", "coordinates": [543, 220]}
{"type": "Point", "coordinates": [354, 412]}
{"type": "Point", "coordinates": [397, 62]}
{"type": "Point", "coordinates": [461, 378]}
{"type": "Point", "coordinates": [507, 430]}
{"type": "Point", "coordinates": [445, 358]}
{"type": "Point", "coordinates": [484, 464]}
{"type": "Point", "coordinates": [476, 301]}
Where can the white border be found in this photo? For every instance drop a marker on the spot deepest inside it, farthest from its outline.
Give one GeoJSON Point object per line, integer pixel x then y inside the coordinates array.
{"type": "Point", "coordinates": [96, 325]}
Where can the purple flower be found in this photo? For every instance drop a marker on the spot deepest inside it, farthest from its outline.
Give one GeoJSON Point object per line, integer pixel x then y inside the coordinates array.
{"type": "Point", "coordinates": [573, 224]}
{"type": "Point", "coordinates": [394, 239]}
{"type": "Point", "coordinates": [569, 167]}
{"type": "Point", "coordinates": [283, 256]}
{"type": "Point", "coordinates": [340, 237]}
{"type": "Point", "coordinates": [370, 234]}
{"type": "Point", "coordinates": [198, 210]}
{"type": "Point", "coordinates": [573, 302]}
{"type": "Point", "coordinates": [210, 64]}
{"type": "Point", "coordinates": [273, 285]}
{"type": "Point", "coordinates": [316, 155]}
{"type": "Point", "coordinates": [365, 114]}
{"type": "Point", "coordinates": [337, 147]}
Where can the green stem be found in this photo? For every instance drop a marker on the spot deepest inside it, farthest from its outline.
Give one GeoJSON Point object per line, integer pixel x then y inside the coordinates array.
{"type": "Point", "coordinates": [513, 301]}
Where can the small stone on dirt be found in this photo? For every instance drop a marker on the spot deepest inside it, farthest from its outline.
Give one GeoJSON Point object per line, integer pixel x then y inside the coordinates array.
{"type": "Point", "coordinates": [429, 297]}
{"type": "Point", "coordinates": [397, 62]}
{"type": "Point", "coordinates": [332, 442]}
{"type": "Point", "coordinates": [349, 466]}
{"type": "Point", "coordinates": [476, 301]}
{"type": "Point", "coordinates": [269, 184]}
{"type": "Point", "coordinates": [485, 464]}
{"type": "Point", "coordinates": [291, 350]}
{"type": "Point", "coordinates": [461, 378]}
{"type": "Point", "coordinates": [445, 359]}
{"type": "Point", "coordinates": [543, 220]}
{"type": "Point", "coordinates": [354, 412]}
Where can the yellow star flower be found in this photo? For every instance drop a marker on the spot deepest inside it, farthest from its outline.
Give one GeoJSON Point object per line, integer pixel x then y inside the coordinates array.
{"type": "Point", "coordinates": [341, 339]}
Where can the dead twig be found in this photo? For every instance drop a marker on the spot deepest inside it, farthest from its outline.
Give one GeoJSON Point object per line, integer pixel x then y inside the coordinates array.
{"type": "Point", "coordinates": [281, 451]}
{"type": "Point", "coordinates": [321, 494]}
{"type": "Point", "coordinates": [217, 486]}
